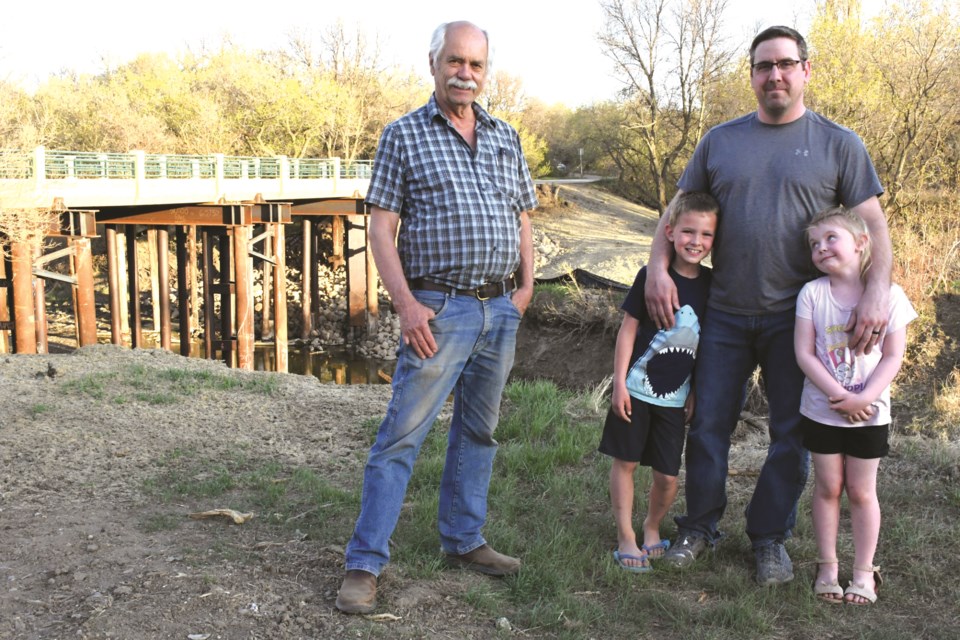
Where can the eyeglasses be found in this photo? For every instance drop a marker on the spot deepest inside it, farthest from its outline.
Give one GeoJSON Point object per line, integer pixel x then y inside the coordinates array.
{"type": "Point", "coordinates": [785, 65]}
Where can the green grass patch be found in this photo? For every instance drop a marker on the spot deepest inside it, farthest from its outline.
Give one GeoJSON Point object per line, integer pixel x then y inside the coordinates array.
{"type": "Point", "coordinates": [39, 409]}
{"type": "Point", "coordinates": [137, 383]}
{"type": "Point", "coordinates": [295, 498]}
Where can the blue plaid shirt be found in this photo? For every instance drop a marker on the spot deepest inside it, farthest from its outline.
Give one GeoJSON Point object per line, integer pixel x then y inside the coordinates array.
{"type": "Point", "coordinates": [459, 210]}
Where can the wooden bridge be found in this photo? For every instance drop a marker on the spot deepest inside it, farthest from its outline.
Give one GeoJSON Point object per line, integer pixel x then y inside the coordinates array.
{"type": "Point", "coordinates": [236, 207]}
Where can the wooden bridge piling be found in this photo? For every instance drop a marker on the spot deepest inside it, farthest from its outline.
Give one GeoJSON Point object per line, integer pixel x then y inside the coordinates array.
{"type": "Point", "coordinates": [113, 284]}
{"type": "Point", "coordinates": [161, 310]}
{"type": "Point", "coordinates": [85, 308]}
{"type": "Point", "coordinates": [280, 293]}
{"type": "Point", "coordinates": [6, 296]}
{"type": "Point", "coordinates": [225, 259]}
{"type": "Point", "coordinates": [185, 288]}
{"type": "Point", "coordinates": [307, 279]}
{"type": "Point", "coordinates": [24, 307]}
{"type": "Point", "coordinates": [133, 288]}
{"type": "Point", "coordinates": [243, 277]}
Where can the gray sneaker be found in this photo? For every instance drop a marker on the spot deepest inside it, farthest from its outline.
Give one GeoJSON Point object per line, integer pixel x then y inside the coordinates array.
{"type": "Point", "coordinates": [773, 565]}
{"type": "Point", "coordinates": [682, 554]}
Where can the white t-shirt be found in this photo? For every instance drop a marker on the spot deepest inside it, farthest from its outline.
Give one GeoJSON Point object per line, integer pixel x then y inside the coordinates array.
{"type": "Point", "coordinates": [816, 303]}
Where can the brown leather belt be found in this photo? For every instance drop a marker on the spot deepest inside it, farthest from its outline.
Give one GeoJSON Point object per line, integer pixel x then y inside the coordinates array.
{"type": "Point", "coordinates": [483, 292]}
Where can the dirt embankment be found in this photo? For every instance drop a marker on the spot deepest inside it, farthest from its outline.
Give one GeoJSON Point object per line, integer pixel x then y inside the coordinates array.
{"type": "Point", "coordinates": [602, 234]}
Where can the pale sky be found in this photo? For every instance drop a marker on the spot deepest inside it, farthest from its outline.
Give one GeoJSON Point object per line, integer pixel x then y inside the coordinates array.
{"type": "Point", "coordinates": [551, 45]}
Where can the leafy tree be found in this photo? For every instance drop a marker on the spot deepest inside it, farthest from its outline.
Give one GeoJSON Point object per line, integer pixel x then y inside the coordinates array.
{"type": "Point", "coordinates": [894, 82]}
{"type": "Point", "coordinates": [504, 98]}
{"type": "Point", "coordinates": [95, 114]}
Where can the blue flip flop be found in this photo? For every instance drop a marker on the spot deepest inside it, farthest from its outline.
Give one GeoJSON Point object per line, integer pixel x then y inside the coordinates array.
{"type": "Point", "coordinates": [663, 544]}
{"type": "Point", "coordinates": [620, 557]}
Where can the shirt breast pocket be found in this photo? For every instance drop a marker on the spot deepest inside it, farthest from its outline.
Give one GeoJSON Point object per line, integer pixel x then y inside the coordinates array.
{"type": "Point", "coordinates": [504, 173]}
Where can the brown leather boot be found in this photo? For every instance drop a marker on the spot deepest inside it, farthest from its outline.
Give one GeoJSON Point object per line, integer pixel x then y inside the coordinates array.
{"type": "Point", "coordinates": [485, 560]}
{"type": "Point", "coordinates": [358, 593]}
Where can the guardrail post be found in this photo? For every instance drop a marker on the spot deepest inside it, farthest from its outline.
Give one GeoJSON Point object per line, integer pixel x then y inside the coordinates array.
{"type": "Point", "coordinates": [39, 167]}
{"type": "Point", "coordinates": [218, 176]}
{"type": "Point", "coordinates": [336, 173]}
{"type": "Point", "coordinates": [139, 171]}
{"type": "Point", "coordinates": [284, 171]}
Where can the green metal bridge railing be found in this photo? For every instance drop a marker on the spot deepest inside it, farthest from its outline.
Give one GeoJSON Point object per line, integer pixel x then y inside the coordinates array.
{"type": "Point", "coordinates": [16, 164]}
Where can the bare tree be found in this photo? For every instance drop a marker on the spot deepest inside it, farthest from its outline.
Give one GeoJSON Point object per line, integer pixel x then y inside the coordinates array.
{"type": "Point", "coordinates": [669, 52]}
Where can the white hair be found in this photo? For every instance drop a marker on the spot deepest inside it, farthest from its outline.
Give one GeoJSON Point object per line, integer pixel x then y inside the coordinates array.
{"type": "Point", "coordinates": [439, 38]}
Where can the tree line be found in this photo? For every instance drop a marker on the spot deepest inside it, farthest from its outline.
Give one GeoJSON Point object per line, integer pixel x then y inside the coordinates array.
{"type": "Point", "coordinates": [892, 79]}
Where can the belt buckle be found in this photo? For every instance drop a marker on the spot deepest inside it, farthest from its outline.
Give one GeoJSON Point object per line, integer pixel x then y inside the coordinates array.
{"type": "Point", "coordinates": [480, 296]}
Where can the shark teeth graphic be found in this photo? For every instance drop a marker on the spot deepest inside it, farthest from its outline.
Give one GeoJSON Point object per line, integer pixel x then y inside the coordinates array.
{"type": "Point", "coordinates": [667, 370]}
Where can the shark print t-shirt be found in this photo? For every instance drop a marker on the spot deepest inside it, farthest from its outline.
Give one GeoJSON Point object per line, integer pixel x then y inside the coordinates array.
{"type": "Point", "coordinates": [662, 362]}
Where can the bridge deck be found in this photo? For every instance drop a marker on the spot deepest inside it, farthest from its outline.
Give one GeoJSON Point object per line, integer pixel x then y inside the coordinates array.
{"type": "Point", "coordinates": [38, 178]}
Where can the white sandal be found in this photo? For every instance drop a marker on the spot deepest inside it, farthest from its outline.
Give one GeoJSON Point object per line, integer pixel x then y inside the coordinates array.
{"type": "Point", "coordinates": [825, 591]}
{"type": "Point", "coordinates": [870, 595]}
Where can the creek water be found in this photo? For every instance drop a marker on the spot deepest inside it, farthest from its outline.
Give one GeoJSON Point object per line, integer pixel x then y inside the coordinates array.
{"type": "Point", "coordinates": [335, 364]}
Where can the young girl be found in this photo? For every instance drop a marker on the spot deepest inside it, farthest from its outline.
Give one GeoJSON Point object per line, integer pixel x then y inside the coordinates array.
{"type": "Point", "coordinates": [846, 399]}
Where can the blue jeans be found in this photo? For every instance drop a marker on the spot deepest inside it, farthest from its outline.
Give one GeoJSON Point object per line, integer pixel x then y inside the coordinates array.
{"type": "Point", "coordinates": [476, 341]}
{"type": "Point", "coordinates": [731, 347]}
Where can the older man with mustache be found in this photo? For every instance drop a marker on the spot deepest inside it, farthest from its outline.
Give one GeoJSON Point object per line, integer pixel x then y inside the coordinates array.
{"type": "Point", "coordinates": [451, 237]}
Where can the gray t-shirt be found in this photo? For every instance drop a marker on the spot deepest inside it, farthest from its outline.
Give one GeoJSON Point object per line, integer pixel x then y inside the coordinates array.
{"type": "Point", "coordinates": [770, 180]}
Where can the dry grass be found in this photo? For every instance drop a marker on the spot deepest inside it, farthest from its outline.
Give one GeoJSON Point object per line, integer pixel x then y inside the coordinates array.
{"type": "Point", "coordinates": [926, 248]}
{"type": "Point", "coordinates": [578, 308]}
{"type": "Point", "coordinates": [946, 407]}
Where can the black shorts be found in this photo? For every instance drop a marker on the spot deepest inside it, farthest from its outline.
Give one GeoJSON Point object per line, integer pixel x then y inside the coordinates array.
{"type": "Point", "coordinates": [859, 442]}
{"type": "Point", "coordinates": [653, 437]}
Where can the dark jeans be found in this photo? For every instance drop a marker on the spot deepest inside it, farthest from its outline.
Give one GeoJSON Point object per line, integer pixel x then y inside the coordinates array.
{"type": "Point", "coordinates": [731, 347]}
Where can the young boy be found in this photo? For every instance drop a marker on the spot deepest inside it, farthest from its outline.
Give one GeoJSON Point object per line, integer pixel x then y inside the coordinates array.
{"type": "Point", "coordinates": [651, 384]}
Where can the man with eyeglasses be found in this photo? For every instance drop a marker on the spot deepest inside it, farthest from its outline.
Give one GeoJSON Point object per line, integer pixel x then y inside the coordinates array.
{"type": "Point", "coordinates": [771, 170]}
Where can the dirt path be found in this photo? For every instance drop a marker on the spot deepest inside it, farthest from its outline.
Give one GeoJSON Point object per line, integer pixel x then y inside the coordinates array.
{"type": "Point", "coordinates": [596, 231]}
